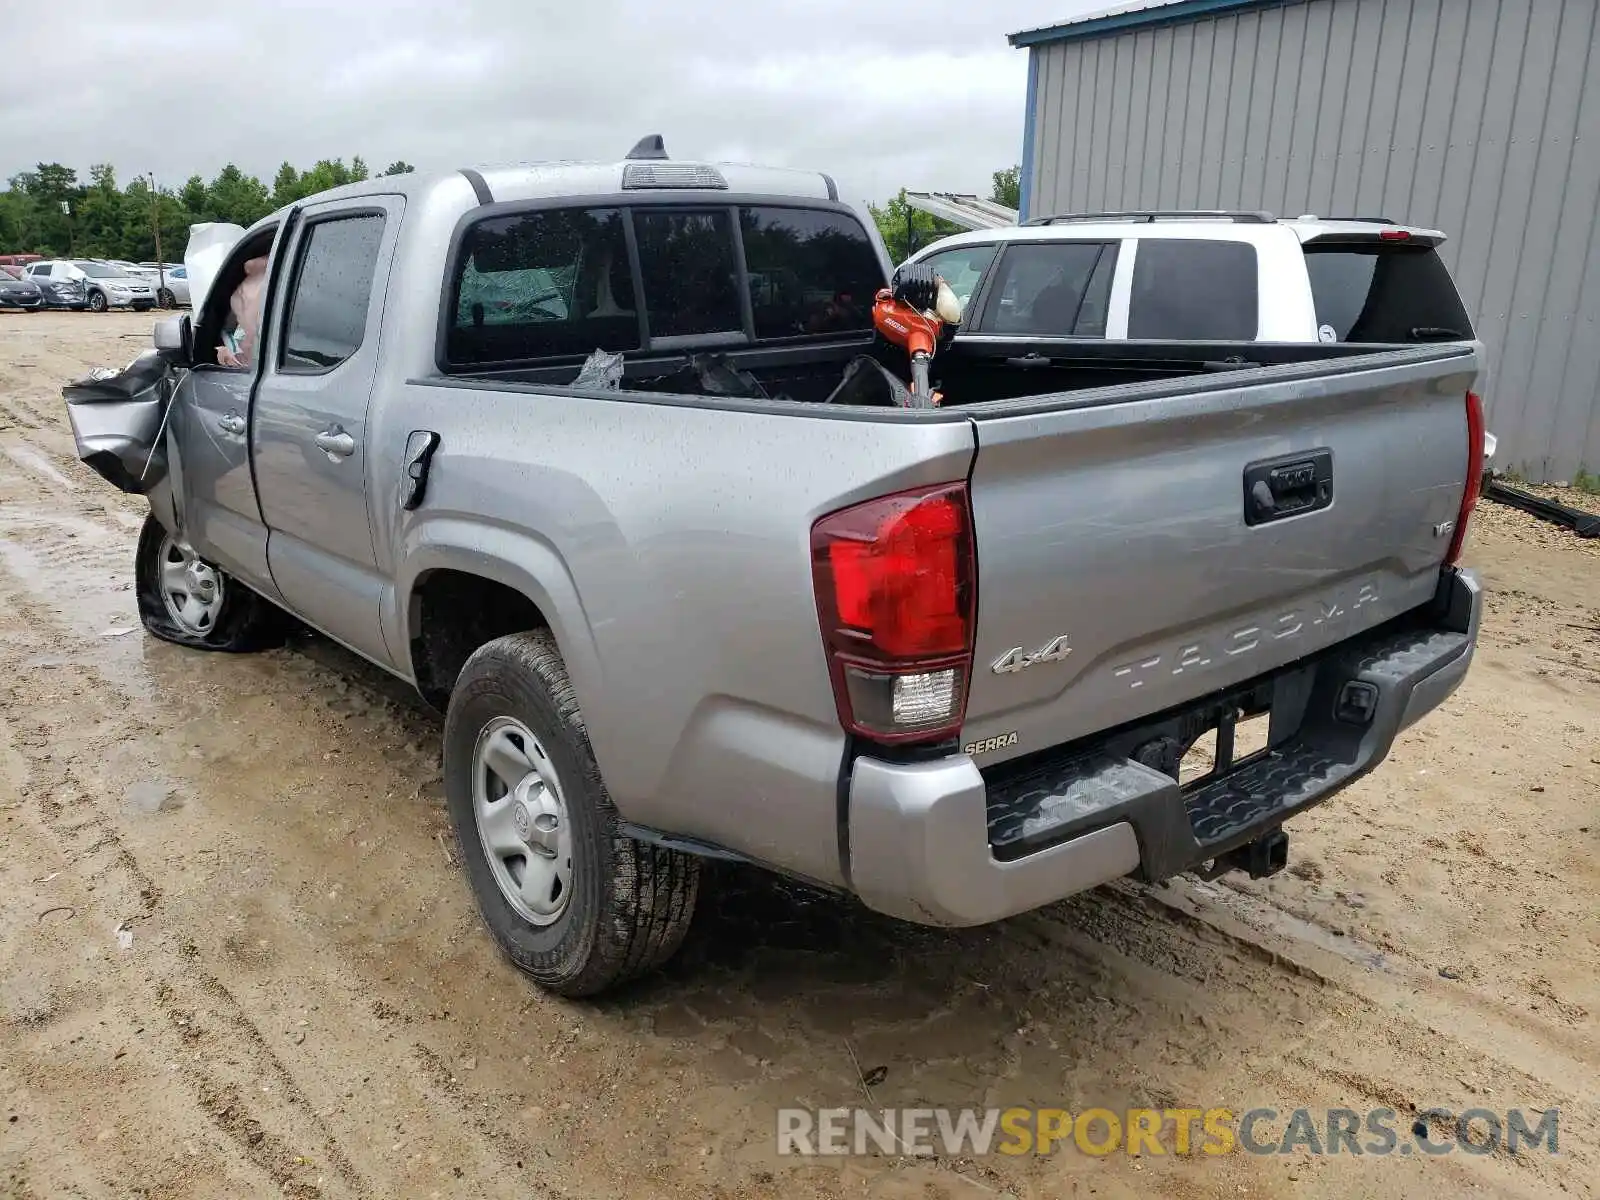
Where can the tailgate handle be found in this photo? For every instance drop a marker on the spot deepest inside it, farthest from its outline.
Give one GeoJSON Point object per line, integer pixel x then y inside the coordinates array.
{"type": "Point", "coordinates": [1288, 486]}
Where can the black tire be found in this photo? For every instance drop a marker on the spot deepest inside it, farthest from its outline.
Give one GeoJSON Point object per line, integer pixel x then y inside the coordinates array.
{"type": "Point", "coordinates": [630, 903]}
{"type": "Point", "coordinates": [244, 622]}
{"type": "Point", "coordinates": [166, 299]}
{"type": "Point", "coordinates": [97, 302]}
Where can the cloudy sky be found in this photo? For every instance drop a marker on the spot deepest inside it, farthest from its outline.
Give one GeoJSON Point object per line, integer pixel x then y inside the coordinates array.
{"type": "Point", "coordinates": [925, 94]}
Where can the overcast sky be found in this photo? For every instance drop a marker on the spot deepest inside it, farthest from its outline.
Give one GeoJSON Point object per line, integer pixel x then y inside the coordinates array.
{"type": "Point", "coordinates": [926, 94]}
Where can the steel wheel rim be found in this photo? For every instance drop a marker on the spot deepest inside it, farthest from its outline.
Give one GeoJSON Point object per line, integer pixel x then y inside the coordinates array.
{"type": "Point", "coordinates": [521, 812]}
{"type": "Point", "coordinates": [191, 588]}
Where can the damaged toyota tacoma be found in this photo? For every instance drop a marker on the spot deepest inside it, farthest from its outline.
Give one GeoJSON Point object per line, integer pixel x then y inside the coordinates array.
{"type": "Point", "coordinates": [625, 467]}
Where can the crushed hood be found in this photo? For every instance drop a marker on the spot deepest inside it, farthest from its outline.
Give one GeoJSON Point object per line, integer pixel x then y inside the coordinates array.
{"type": "Point", "coordinates": [209, 243]}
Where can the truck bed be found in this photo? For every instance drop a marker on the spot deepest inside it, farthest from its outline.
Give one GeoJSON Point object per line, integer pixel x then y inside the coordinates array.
{"type": "Point", "coordinates": [974, 370]}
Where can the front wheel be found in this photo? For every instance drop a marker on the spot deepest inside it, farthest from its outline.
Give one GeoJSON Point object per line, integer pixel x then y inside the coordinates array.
{"type": "Point", "coordinates": [166, 299]}
{"type": "Point", "coordinates": [570, 900]}
{"type": "Point", "coordinates": [97, 302]}
{"type": "Point", "coordinates": [188, 601]}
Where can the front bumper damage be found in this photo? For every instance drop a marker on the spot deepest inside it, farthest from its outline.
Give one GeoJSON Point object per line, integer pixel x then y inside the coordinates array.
{"type": "Point", "coordinates": [943, 843]}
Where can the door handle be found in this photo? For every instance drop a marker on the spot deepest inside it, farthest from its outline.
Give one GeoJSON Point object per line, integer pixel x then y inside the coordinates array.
{"type": "Point", "coordinates": [231, 423]}
{"type": "Point", "coordinates": [335, 443]}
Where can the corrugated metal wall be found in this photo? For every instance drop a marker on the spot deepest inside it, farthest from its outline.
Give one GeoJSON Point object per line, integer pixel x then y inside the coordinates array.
{"type": "Point", "coordinates": [1464, 115]}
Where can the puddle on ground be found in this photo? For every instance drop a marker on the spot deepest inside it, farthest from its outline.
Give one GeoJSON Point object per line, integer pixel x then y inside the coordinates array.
{"type": "Point", "coordinates": [149, 797]}
{"type": "Point", "coordinates": [1276, 920]}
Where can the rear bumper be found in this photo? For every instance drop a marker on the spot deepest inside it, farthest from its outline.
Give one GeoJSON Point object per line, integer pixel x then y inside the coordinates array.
{"type": "Point", "coordinates": [942, 843]}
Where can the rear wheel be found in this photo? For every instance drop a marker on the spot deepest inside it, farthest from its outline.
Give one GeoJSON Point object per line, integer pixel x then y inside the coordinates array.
{"type": "Point", "coordinates": [186, 600]}
{"type": "Point", "coordinates": [570, 900]}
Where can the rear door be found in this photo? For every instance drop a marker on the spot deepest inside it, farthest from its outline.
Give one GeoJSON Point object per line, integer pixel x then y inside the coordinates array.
{"type": "Point", "coordinates": [1123, 567]}
{"type": "Point", "coordinates": [309, 422]}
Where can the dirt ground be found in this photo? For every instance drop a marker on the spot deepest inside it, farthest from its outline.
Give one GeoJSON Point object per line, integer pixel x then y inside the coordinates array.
{"type": "Point", "coordinates": [237, 959]}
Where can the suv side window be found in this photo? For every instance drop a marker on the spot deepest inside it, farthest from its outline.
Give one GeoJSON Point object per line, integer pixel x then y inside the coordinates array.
{"type": "Point", "coordinates": [551, 283]}
{"type": "Point", "coordinates": [1051, 289]}
{"type": "Point", "coordinates": [1194, 290]}
{"type": "Point", "coordinates": [327, 312]}
{"type": "Point", "coordinates": [962, 269]}
{"type": "Point", "coordinates": [687, 267]}
{"type": "Point", "coordinates": [1375, 292]}
{"type": "Point", "coordinates": [810, 272]}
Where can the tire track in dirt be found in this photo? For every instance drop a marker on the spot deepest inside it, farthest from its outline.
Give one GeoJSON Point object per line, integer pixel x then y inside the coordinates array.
{"type": "Point", "coordinates": [239, 1065]}
{"type": "Point", "coordinates": [203, 1013]}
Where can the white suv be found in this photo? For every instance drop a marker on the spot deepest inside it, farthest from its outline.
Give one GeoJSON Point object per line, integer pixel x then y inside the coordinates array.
{"type": "Point", "coordinates": [1203, 277]}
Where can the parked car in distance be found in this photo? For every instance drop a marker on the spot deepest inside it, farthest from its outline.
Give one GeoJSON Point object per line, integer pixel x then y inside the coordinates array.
{"type": "Point", "coordinates": [65, 291]}
{"type": "Point", "coordinates": [170, 281]}
{"type": "Point", "coordinates": [104, 286]}
{"type": "Point", "coordinates": [19, 294]}
{"type": "Point", "coordinates": [172, 289]}
{"type": "Point", "coordinates": [723, 602]}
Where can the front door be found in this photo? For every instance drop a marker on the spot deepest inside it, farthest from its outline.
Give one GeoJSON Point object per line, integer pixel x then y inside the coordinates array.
{"type": "Point", "coordinates": [308, 429]}
{"type": "Point", "coordinates": [210, 418]}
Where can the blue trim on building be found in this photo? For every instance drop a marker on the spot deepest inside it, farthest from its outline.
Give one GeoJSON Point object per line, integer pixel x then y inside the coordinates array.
{"type": "Point", "coordinates": [1025, 175]}
{"type": "Point", "coordinates": [1182, 10]}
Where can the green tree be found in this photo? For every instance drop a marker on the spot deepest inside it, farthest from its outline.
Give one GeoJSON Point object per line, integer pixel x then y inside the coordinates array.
{"type": "Point", "coordinates": [193, 196]}
{"type": "Point", "coordinates": [358, 169]}
{"type": "Point", "coordinates": [236, 197]}
{"type": "Point", "coordinates": [99, 215]}
{"type": "Point", "coordinates": [399, 167]}
{"type": "Point", "coordinates": [905, 230]}
{"type": "Point", "coordinates": [1008, 187]}
{"type": "Point", "coordinates": [286, 186]}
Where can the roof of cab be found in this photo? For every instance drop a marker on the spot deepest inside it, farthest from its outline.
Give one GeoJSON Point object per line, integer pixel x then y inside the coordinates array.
{"type": "Point", "coordinates": [550, 180]}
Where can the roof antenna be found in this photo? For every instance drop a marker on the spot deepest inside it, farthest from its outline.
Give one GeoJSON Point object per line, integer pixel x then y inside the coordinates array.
{"type": "Point", "coordinates": [649, 147]}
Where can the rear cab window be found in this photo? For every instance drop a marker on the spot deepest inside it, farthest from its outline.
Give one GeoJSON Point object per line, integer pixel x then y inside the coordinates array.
{"type": "Point", "coordinates": [1374, 291]}
{"type": "Point", "coordinates": [1194, 289]}
{"type": "Point", "coordinates": [557, 284]}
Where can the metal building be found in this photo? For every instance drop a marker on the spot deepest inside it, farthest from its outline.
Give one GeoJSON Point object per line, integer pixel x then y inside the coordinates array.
{"type": "Point", "coordinates": [1477, 117]}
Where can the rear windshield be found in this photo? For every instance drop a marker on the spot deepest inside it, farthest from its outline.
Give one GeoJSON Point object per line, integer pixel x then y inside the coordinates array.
{"type": "Point", "coordinates": [560, 283]}
{"type": "Point", "coordinates": [1373, 292]}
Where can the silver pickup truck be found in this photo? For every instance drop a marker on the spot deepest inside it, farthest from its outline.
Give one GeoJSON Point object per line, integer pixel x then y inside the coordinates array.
{"type": "Point", "coordinates": [715, 600]}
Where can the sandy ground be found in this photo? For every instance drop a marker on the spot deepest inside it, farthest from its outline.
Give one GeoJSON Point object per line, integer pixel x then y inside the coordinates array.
{"type": "Point", "coordinates": [300, 1000]}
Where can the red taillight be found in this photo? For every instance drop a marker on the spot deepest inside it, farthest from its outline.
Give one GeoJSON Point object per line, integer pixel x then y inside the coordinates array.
{"type": "Point", "coordinates": [895, 587]}
{"type": "Point", "coordinates": [1469, 499]}
{"type": "Point", "coordinates": [1395, 235]}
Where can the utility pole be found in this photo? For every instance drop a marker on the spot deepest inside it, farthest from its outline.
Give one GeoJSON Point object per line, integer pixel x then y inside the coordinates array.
{"type": "Point", "coordinates": [155, 225]}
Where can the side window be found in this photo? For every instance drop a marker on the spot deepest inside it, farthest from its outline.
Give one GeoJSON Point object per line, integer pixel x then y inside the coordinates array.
{"type": "Point", "coordinates": [810, 272]}
{"type": "Point", "coordinates": [1194, 290]}
{"type": "Point", "coordinates": [962, 269]}
{"type": "Point", "coordinates": [546, 284]}
{"type": "Point", "coordinates": [687, 267]}
{"type": "Point", "coordinates": [327, 313]}
{"type": "Point", "coordinates": [1051, 289]}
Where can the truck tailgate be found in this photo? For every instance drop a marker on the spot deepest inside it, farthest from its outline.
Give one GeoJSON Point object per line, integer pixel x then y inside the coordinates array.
{"type": "Point", "coordinates": [1141, 547]}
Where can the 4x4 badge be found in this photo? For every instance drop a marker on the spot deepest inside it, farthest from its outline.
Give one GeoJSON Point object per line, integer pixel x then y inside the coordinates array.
{"type": "Point", "coordinates": [1015, 659]}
